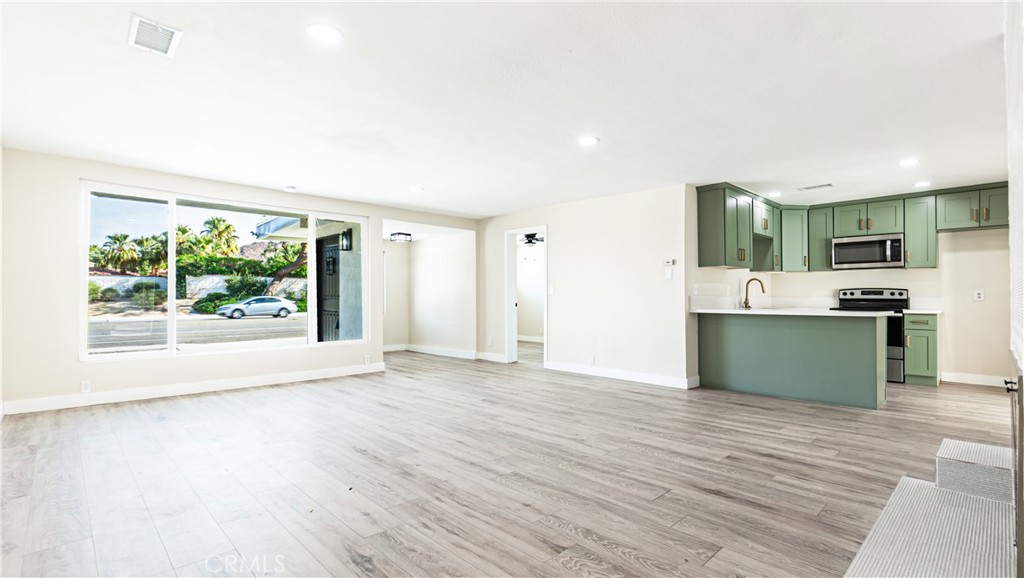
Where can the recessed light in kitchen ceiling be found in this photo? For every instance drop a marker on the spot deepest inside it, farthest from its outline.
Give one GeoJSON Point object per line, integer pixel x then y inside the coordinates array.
{"type": "Point", "coordinates": [588, 141]}
{"type": "Point", "coordinates": [324, 33]}
{"type": "Point", "coordinates": [908, 162]}
{"type": "Point", "coordinates": [290, 189]}
{"type": "Point", "coordinates": [920, 184]}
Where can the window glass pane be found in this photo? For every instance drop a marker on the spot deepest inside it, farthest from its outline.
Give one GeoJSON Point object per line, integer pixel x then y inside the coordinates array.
{"type": "Point", "coordinates": [127, 274]}
{"type": "Point", "coordinates": [227, 255]}
{"type": "Point", "coordinates": [339, 280]}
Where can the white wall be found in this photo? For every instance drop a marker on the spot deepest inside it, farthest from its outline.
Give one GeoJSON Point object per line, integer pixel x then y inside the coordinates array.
{"type": "Point", "coordinates": [1014, 65]}
{"type": "Point", "coordinates": [611, 300]}
{"type": "Point", "coordinates": [530, 266]}
{"type": "Point", "coordinates": [442, 291]}
{"type": "Point", "coordinates": [41, 346]}
{"type": "Point", "coordinates": [396, 314]}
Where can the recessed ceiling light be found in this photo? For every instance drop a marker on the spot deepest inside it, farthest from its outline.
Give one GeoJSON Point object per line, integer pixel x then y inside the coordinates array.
{"type": "Point", "coordinates": [290, 189]}
{"type": "Point", "coordinates": [415, 189]}
{"type": "Point", "coordinates": [775, 194]}
{"type": "Point", "coordinates": [908, 162]}
{"type": "Point", "coordinates": [588, 141]}
{"type": "Point", "coordinates": [324, 33]}
{"type": "Point", "coordinates": [920, 184]}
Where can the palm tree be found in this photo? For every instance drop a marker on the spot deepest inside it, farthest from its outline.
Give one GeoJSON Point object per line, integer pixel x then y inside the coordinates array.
{"type": "Point", "coordinates": [185, 240]}
{"type": "Point", "coordinates": [120, 252]}
{"type": "Point", "coordinates": [223, 234]}
{"type": "Point", "coordinates": [152, 253]}
{"type": "Point", "coordinates": [97, 258]}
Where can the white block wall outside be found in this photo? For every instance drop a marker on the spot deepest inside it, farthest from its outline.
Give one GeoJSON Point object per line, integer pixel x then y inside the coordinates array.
{"type": "Point", "coordinates": [977, 469]}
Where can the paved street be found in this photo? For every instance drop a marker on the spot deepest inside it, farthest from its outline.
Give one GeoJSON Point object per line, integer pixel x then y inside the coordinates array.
{"type": "Point", "coordinates": [192, 330]}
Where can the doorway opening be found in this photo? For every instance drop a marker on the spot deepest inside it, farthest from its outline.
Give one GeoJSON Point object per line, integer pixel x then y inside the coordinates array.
{"type": "Point", "coordinates": [527, 295]}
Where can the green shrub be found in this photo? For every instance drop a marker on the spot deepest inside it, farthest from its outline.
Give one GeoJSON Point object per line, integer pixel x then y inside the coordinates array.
{"type": "Point", "coordinates": [150, 299]}
{"type": "Point", "coordinates": [206, 307]}
{"type": "Point", "coordinates": [110, 294]}
{"type": "Point", "coordinates": [209, 303]}
{"type": "Point", "coordinates": [299, 299]}
{"type": "Point", "coordinates": [94, 291]}
{"type": "Point", "coordinates": [145, 286]}
{"type": "Point", "coordinates": [246, 285]}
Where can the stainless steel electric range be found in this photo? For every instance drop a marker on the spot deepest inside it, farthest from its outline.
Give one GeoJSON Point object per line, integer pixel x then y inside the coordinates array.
{"type": "Point", "coordinates": [882, 299]}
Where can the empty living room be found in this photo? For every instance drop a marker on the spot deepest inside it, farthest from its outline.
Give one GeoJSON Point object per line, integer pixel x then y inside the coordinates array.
{"type": "Point", "coordinates": [511, 289]}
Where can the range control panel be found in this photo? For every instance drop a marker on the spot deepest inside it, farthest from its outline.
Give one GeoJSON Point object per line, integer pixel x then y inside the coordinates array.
{"type": "Point", "coordinates": [873, 294]}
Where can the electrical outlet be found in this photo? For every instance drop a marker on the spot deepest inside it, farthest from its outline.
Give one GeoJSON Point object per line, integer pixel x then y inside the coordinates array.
{"type": "Point", "coordinates": [593, 360]}
{"type": "Point", "coordinates": [979, 294]}
{"type": "Point", "coordinates": [551, 290]}
{"type": "Point", "coordinates": [366, 360]}
{"type": "Point", "coordinates": [490, 342]}
{"type": "Point", "coordinates": [668, 273]}
{"type": "Point", "coordinates": [86, 387]}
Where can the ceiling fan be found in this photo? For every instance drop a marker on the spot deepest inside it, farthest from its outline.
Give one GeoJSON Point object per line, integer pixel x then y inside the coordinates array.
{"type": "Point", "coordinates": [532, 238]}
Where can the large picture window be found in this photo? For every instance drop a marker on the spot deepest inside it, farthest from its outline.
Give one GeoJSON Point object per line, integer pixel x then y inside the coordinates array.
{"type": "Point", "coordinates": [178, 275]}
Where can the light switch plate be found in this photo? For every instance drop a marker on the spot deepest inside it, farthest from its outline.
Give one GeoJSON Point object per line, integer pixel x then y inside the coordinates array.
{"type": "Point", "coordinates": [979, 294]}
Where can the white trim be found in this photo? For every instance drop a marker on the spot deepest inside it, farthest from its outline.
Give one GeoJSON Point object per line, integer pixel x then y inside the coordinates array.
{"type": "Point", "coordinates": [635, 376]}
{"type": "Point", "coordinates": [693, 382]}
{"type": "Point", "coordinates": [137, 393]}
{"type": "Point", "coordinates": [531, 339]}
{"type": "Point", "coordinates": [443, 351]}
{"type": "Point", "coordinates": [492, 357]}
{"type": "Point", "coordinates": [974, 378]}
{"type": "Point", "coordinates": [395, 347]}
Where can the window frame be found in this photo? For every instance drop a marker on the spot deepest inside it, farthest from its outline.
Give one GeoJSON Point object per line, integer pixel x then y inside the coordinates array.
{"type": "Point", "coordinates": [171, 199]}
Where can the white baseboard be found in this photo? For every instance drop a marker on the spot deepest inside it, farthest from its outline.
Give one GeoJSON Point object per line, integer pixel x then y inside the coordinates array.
{"type": "Point", "coordinates": [693, 382]}
{"type": "Point", "coordinates": [530, 339]}
{"type": "Point", "coordinates": [638, 377]}
{"type": "Point", "coordinates": [443, 351]}
{"type": "Point", "coordinates": [973, 378]}
{"type": "Point", "coordinates": [488, 356]}
{"type": "Point", "coordinates": [395, 347]}
{"type": "Point", "coordinates": [137, 393]}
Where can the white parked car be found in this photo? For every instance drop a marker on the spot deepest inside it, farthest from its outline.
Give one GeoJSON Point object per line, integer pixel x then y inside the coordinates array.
{"type": "Point", "coordinates": [274, 306]}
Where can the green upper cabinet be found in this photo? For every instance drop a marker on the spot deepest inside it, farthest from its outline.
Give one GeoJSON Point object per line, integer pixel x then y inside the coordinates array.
{"type": "Point", "coordinates": [724, 235]}
{"type": "Point", "coordinates": [777, 239]}
{"type": "Point", "coordinates": [995, 209]}
{"type": "Point", "coordinates": [885, 217]}
{"type": "Point", "coordinates": [878, 218]}
{"type": "Point", "coordinates": [794, 239]}
{"type": "Point", "coordinates": [819, 239]}
{"type": "Point", "coordinates": [920, 235]}
{"type": "Point", "coordinates": [851, 220]}
{"type": "Point", "coordinates": [957, 210]}
{"type": "Point", "coordinates": [763, 219]}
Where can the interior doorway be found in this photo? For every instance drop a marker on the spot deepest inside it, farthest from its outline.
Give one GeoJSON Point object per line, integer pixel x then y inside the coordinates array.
{"type": "Point", "coordinates": [526, 295]}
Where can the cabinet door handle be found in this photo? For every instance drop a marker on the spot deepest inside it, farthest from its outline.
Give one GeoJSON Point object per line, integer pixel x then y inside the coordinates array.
{"type": "Point", "coordinates": [869, 223]}
{"type": "Point", "coordinates": [805, 260]}
{"type": "Point", "coordinates": [765, 224]}
{"type": "Point", "coordinates": [984, 214]}
{"type": "Point", "coordinates": [743, 254]}
{"type": "Point", "coordinates": [919, 322]}
{"type": "Point", "coordinates": [860, 224]}
{"type": "Point", "coordinates": [974, 214]}
{"type": "Point", "coordinates": [907, 342]}
{"type": "Point", "coordinates": [776, 259]}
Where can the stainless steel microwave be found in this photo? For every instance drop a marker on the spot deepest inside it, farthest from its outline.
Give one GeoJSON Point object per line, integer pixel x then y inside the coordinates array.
{"type": "Point", "coordinates": [870, 252]}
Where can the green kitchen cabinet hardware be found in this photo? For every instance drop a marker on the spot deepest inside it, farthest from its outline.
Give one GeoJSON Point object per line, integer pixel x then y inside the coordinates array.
{"type": "Point", "coordinates": [725, 231]}
{"type": "Point", "coordinates": [851, 220]}
{"type": "Point", "coordinates": [763, 219]}
{"type": "Point", "coordinates": [995, 209]}
{"type": "Point", "coordinates": [920, 322]}
{"type": "Point", "coordinates": [919, 239]}
{"type": "Point", "coordinates": [957, 210]}
{"type": "Point", "coordinates": [777, 239]}
{"type": "Point", "coordinates": [794, 239]}
{"type": "Point", "coordinates": [877, 218]}
{"type": "Point", "coordinates": [819, 239]}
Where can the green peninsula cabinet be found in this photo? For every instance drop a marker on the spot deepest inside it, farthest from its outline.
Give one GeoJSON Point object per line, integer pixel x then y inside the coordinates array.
{"type": "Point", "coordinates": [919, 239]}
{"type": "Point", "coordinates": [794, 239]}
{"type": "Point", "coordinates": [725, 229]}
{"type": "Point", "coordinates": [877, 218]}
{"type": "Point", "coordinates": [973, 209]}
{"type": "Point", "coordinates": [921, 349]}
{"type": "Point", "coordinates": [819, 239]}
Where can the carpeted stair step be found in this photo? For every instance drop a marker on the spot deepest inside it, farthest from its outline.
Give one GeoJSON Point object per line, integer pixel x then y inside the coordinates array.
{"type": "Point", "coordinates": [977, 469]}
{"type": "Point", "coordinates": [928, 531]}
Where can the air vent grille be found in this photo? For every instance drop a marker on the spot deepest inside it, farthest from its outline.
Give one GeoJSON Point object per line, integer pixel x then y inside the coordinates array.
{"type": "Point", "coordinates": [815, 187]}
{"type": "Point", "coordinates": [153, 37]}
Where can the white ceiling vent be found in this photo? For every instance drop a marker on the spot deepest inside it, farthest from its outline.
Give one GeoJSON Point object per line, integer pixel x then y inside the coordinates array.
{"type": "Point", "coordinates": [149, 35]}
{"type": "Point", "coordinates": [815, 187]}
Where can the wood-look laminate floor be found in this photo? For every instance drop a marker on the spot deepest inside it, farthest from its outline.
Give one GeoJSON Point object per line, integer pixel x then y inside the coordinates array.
{"type": "Point", "coordinates": [462, 468]}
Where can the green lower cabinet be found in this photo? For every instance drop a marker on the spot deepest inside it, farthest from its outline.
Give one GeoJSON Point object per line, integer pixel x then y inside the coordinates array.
{"type": "Point", "coordinates": [957, 210]}
{"type": "Point", "coordinates": [995, 208]}
{"type": "Point", "coordinates": [920, 235]}
{"type": "Point", "coordinates": [794, 239]}
{"type": "Point", "coordinates": [819, 239]}
{"type": "Point", "coordinates": [921, 353]}
{"type": "Point", "coordinates": [851, 220]}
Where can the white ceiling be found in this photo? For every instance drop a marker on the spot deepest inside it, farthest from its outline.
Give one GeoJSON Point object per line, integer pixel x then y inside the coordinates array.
{"type": "Point", "coordinates": [481, 104]}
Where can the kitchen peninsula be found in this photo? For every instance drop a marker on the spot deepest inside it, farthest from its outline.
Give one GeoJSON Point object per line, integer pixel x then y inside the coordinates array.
{"type": "Point", "coordinates": [835, 357]}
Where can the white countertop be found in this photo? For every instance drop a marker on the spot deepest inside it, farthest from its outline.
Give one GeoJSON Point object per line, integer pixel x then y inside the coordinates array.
{"type": "Point", "coordinates": [796, 311]}
{"type": "Point", "coordinates": [923, 311]}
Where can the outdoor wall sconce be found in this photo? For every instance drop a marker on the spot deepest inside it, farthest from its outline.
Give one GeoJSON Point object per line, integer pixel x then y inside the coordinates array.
{"type": "Point", "coordinates": [401, 237]}
{"type": "Point", "coordinates": [346, 239]}
{"type": "Point", "coordinates": [332, 263]}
